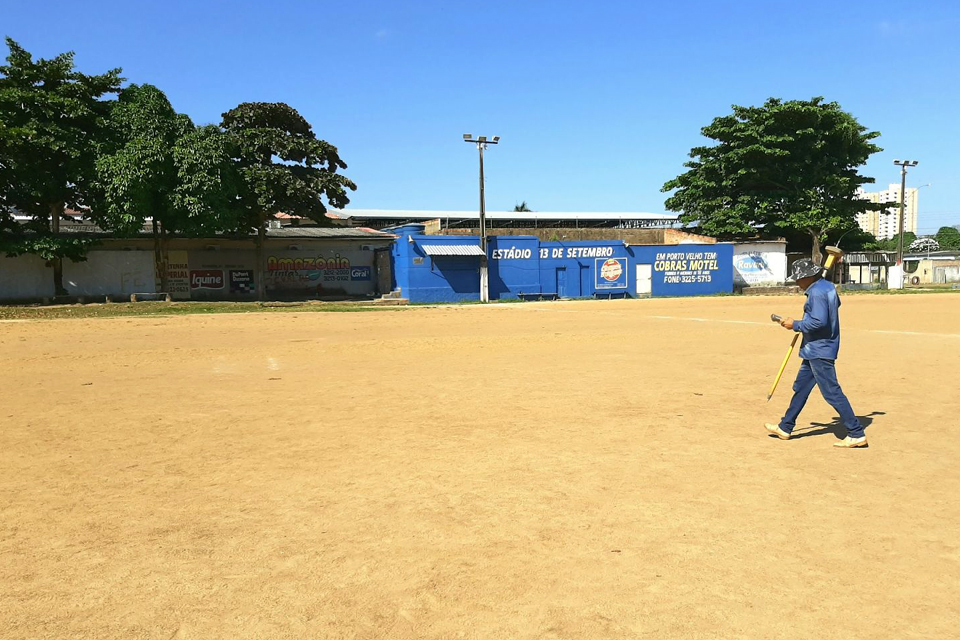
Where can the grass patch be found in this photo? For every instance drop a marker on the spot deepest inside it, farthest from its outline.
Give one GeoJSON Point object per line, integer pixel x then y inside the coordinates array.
{"type": "Point", "coordinates": [899, 292]}
{"type": "Point", "coordinates": [137, 309]}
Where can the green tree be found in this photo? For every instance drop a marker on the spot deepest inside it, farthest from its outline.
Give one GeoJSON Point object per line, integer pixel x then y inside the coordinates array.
{"type": "Point", "coordinates": [284, 168]}
{"type": "Point", "coordinates": [891, 244]}
{"type": "Point", "coordinates": [206, 196]}
{"type": "Point", "coordinates": [785, 165]}
{"type": "Point", "coordinates": [51, 122]}
{"type": "Point", "coordinates": [522, 207]}
{"type": "Point", "coordinates": [948, 237]}
{"type": "Point", "coordinates": [155, 166]}
{"type": "Point", "coordinates": [854, 239]}
{"type": "Point", "coordinates": [136, 175]}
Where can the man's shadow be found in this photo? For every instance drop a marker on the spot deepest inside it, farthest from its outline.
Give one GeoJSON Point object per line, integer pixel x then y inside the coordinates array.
{"type": "Point", "coordinates": [836, 427]}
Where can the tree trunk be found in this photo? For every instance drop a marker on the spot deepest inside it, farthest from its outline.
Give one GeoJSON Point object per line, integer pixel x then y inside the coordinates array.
{"type": "Point", "coordinates": [56, 210]}
{"type": "Point", "coordinates": [159, 258]}
{"type": "Point", "coordinates": [261, 234]}
{"type": "Point", "coordinates": [815, 254]}
{"type": "Point", "coordinates": [165, 257]}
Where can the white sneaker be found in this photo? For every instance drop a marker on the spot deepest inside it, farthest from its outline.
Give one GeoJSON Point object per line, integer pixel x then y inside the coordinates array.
{"type": "Point", "coordinates": [777, 431]}
{"type": "Point", "coordinates": [851, 443]}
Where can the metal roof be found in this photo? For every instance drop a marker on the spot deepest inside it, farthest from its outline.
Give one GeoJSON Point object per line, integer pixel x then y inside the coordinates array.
{"type": "Point", "coordinates": [868, 258]}
{"type": "Point", "coordinates": [407, 214]}
{"type": "Point", "coordinates": [933, 255]}
{"type": "Point", "coordinates": [330, 233]}
{"type": "Point", "coordinates": [452, 249]}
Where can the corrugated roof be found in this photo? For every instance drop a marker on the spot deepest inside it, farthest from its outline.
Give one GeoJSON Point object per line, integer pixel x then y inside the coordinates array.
{"type": "Point", "coordinates": [331, 233]}
{"type": "Point", "coordinates": [327, 232]}
{"type": "Point", "coordinates": [933, 255]}
{"type": "Point", "coordinates": [407, 214]}
{"type": "Point", "coordinates": [452, 249]}
{"type": "Point", "coordinates": [867, 258]}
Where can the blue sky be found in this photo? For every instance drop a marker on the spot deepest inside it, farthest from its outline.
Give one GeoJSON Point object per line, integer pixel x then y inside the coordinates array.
{"type": "Point", "coordinates": [597, 103]}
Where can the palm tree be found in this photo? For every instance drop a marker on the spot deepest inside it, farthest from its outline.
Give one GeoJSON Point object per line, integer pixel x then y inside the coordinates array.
{"type": "Point", "coordinates": [521, 207]}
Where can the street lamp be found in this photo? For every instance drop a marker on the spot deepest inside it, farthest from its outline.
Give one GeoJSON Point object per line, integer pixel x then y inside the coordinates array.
{"type": "Point", "coordinates": [482, 142]}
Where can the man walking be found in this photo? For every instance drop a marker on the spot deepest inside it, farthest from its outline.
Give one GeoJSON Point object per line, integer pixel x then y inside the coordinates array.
{"type": "Point", "coordinates": [820, 327]}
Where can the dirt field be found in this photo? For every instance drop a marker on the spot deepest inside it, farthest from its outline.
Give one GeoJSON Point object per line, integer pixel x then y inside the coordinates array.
{"type": "Point", "coordinates": [551, 470]}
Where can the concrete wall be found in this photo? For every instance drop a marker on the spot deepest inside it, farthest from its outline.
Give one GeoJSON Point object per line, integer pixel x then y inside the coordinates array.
{"type": "Point", "coordinates": [295, 268]}
{"type": "Point", "coordinates": [107, 272]}
{"type": "Point", "coordinates": [204, 269]}
{"type": "Point", "coordinates": [932, 272]}
{"type": "Point", "coordinates": [25, 278]}
{"type": "Point", "coordinates": [104, 272]}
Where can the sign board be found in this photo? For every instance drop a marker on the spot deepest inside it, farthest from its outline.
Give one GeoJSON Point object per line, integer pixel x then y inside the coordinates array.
{"type": "Point", "coordinates": [361, 273]}
{"type": "Point", "coordinates": [241, 281]}
{"type": "Point", "coordinates": [611, 273]}
{"type": "Point", "coordinates": [206, 279]}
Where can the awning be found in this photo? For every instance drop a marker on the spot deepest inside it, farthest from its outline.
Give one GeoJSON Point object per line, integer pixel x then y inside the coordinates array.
{"type": "Point", "coordinates": [452, 249]}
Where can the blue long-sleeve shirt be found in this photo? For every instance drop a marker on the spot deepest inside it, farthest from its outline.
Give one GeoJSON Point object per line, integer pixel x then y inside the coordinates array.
{"type": "Point", "coordinates": [821, 322]}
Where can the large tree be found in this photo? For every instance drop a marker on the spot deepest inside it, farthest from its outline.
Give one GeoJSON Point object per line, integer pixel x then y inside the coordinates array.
{"type": "Point", "coordinates": [155, 166]}
{"type": "Point", "coordinates": [892, 244]}
{"type": "Point", "coordinates": [284, 168]}
{"type": "Point", "coordinates": [136, 175]}
{"type": "Point", "coordinates": [783, 165]}
{"type": "Point", "coordinates": [948, 238]}
{"type": "Point", "coordinates": [51, 122]}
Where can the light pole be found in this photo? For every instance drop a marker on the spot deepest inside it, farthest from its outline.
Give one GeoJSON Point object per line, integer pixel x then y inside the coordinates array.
{"type": "Point", "coordinates": [903, 164]}
{"type": "Point", "coordinates": [482, 142]}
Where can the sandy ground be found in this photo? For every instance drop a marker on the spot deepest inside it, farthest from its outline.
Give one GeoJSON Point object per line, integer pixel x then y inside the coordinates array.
{"type": "Point", "coordinates": [549, 470]}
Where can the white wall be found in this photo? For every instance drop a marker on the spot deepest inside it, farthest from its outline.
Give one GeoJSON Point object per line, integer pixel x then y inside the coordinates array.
{"type": "Point", "coordinates": [110, 273]}
{"type": "Point", "coordinates": [759, 264]}
{"type": "Point", "coordinates": [25, 278]}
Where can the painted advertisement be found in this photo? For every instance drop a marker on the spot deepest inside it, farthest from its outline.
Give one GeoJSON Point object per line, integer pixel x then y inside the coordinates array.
{"type": "Point", "coordinates": [319, 274]}
{"type": "Point", "coordinates": [287, 272]}
{"type": "Point", "coordinates": [611, 273]}
{"type": "Point", "coordinates": [760, 264]}
{"type": "Point", "coordinates": [689, 270]}
{"type": "Point", "coordinates": [362, 274]}
{"type": "Point", "coordinates": [686, 267]}
{"type": "Point", "coordinates": [178, 275]}
{"type": "Point", "coordinates": [241, 281]}
{"type": "Point", "coordinates": [206, 279]}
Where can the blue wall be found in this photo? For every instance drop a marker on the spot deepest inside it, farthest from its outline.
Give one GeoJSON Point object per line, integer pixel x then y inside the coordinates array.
{"type": "Point", "coordinates": [687, 269]}
{"type": "Point", "coordinates": [527, 265]}
{"type": "Point", "coordinates": [422, 278]}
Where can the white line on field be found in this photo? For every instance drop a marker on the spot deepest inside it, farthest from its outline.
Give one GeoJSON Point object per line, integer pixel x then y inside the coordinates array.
{"type": "Point", "coordinates": [917, 333]}
{"type": "Point", "coordinates": [711, 320]}
{"type": "Point", "coordinates": [887, 331]}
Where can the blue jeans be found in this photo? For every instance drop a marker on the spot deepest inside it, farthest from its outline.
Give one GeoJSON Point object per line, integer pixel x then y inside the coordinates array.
{"type": "Point", "coordinates": [821, 373]}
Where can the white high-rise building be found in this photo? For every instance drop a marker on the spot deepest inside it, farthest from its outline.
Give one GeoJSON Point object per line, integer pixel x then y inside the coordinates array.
{"type": "Point", "coordinates": [884, 224]}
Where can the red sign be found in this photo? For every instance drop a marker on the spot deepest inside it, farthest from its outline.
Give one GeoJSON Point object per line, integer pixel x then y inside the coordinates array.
{"type": "Point", "coordinates": [206, 279]}
{"type": "Point", "coordinates": [611, 270]}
